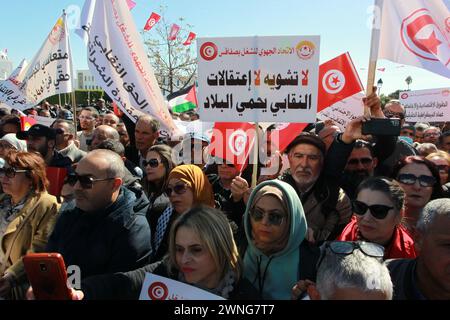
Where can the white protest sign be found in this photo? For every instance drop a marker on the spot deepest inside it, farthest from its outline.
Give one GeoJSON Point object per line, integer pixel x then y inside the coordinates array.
{"type": "Point", "coordinates": [119, 64]}
{"type": "Point", "coordinates": [426, 105]}
{"type": "Point", "coordinates": [159, 288]}
{"type": "Point", "coordinates": [49, 73]}
{"type": "Point", "coordinates": [344, 111]}
{"type": "Point", "coordinates": [258, 79]}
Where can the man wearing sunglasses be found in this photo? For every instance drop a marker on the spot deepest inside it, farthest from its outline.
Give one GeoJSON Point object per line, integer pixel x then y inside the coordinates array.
{"type": "Point", "coordinates": [42, 139]}
{"type": "Point", "coordinates": [105, 229]}
{"type": "Point", "coordinates": [428, 276]}
{"type": "Point", "coordinates": [65, 136]}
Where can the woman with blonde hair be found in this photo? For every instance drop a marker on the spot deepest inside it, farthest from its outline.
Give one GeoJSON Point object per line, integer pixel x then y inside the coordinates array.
{"type": "Point", "coordinates": [202, 253]}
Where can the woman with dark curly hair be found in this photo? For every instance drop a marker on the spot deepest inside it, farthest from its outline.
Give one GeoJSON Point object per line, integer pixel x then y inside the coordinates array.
{"type": "Point", "coordinates": [27, 217]}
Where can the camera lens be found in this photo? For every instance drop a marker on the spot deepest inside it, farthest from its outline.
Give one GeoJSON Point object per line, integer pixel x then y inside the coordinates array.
{"type": "Point", "coordinates": [43, 267]}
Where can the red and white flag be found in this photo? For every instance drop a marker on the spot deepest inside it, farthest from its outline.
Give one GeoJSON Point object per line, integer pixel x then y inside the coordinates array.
{"type": "Point", "coordinates": [416, 33]}
{"type": "Point", "coordinates": [131, 4]}
{"type": "Point", "coordinates": [154, 18]}
{"type": "Point", "coordinates": [189, 39]}
{"type": "Point", "coordinates": [174, 31]}
{"type": "Point", "coordinates": [285, 133]}
{"type": "Point", "coordinates": [338, 79]}
{"type": "Point", "coordinates": [232, 142]}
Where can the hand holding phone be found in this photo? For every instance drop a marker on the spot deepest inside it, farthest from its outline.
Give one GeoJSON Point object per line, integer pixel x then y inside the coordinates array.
{"type": "Point", "coordinates": [47, 275]}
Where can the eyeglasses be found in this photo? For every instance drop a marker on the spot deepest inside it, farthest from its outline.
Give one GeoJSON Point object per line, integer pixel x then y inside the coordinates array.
{"type": "Point", "coordinates": [431, 134]}
{"type": "Point", "coordinates": [363, 161]}
{"type": "Point", "coordinates": [390, 114]}
{"type": "Point", "coordinates": [273, 218]}
{"type": "Point", "coordinates": [85, 118]}
{"type": "Point", "coordinates": [86, 182]}
{"type": "Point", "coordinates": [153, 163]}
{"type": "Point", "coordinates": [410, 179]}
{"type": "Point", "coordinates": [378, 211]}
{"type": "Point", "coordinates": [347, 247]}
{"type": "Point", "coordinates": [11, 172]}
{"type": "Point", "coordinates": [178, 189]}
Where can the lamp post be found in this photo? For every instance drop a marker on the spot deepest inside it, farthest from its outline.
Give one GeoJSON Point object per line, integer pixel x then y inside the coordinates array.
{"type": "Point", "coordinates": [379, 85]}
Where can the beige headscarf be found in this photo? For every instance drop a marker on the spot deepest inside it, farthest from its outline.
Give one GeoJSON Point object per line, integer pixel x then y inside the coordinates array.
{"type": "Point", "coordinates": [283, 240]}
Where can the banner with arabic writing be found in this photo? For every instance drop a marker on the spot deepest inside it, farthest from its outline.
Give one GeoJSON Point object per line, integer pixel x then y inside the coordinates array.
{"type": "Point", "coordinates": [429, 105]}
{"type": "Point", "coordinates": [119, 64]}
{"type": "Point", "coordinates": [49, 73]}
{"type": "Point", "coordinates": [264, 79]}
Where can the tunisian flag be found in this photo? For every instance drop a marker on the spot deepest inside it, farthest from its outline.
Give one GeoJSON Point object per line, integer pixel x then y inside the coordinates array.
{"type": "Point", "coordinates": [154, 18]}
{"type": "Point", "coordinates": [232, 142]}
{"type": "Point", "coordinates": [338, 80]}
{"type": "Point", "coordinates": [285, 133]}
{"type": "Point", "coordinates": [174, 31]}
{"type": "Point", "coordinates": [189, 39]}
{"type": "Point", "coordinates": [417, 33]}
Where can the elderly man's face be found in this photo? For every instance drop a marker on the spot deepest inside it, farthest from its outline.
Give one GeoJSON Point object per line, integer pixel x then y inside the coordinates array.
{"type": "Point", "coordinates": [434, 258]}
{"type": "Point", "coordinates": [306, 162]}
{"type": "Point", "coordinates": [100, 195]}
{"type": "Point", "coordinates": [431, 135]}
{"type": "Point", "coordinates": [110, 120]}
{"type": "Point", "coordinates": [100, 135]}
{"type": "Point", "coordinates": [395, 110]}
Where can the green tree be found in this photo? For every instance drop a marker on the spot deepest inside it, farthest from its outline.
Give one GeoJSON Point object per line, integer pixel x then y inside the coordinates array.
{"type": "Point", "coordinates": [408, 81]}
{"type": "Point", "coordinates": [175, 64]}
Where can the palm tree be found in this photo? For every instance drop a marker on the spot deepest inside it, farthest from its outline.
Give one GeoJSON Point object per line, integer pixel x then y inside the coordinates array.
{"type": "Point", "coordinates": [408, 81]}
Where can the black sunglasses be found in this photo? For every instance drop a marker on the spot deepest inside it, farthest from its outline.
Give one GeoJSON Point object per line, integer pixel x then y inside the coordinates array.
{"type": "Point", "coordinates": [390, 114]}
{"type": "Point", "coordinates": [11, 172]}
{"type": "Point", "coordinates": [410, 179]}
{"type": "Point", "coordinates": [178, 189]}
{"type": "Point", "coordinates": [378, 211]}
{"type": "Point", "coordinates": [153, 163]}
{"type": "Point", "coordinates": [273, 218]}
{"type": "Point", "coordinates": [363, 161]}
{"type": "Point", "coordinates": [347, 247]}
{"type": "Point", "coordinates": [86, 182]}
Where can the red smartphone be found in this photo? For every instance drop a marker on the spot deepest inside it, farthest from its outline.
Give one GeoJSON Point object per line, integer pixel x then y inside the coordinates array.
{"type": "Point", "coordinates": [47, 275]}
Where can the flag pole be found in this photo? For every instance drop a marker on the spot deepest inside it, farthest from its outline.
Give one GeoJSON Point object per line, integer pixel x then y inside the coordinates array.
{"type": "Point", "coordinates": [255, 156]}
{"type": "Point", "coordinates": [59, 98]}
{"type": "Point", "coordinates": [374, 44]}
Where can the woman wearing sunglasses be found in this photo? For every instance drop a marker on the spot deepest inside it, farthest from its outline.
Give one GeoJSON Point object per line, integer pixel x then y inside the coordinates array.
{"type": "Point", "coordinates": [377, 214]}
{"type": "Point", "coordinates": [158, 165]}
{"type": "Point", "coordinates": [187, 187]}
{"type": "Point", "coordinates": [27, 216]}
{"type": "Point", "coordinates": [202, 253]}
{"type": "Point", "coordinates": [420, 179]}
{"type": "Point", "coordinates": [275, 228]}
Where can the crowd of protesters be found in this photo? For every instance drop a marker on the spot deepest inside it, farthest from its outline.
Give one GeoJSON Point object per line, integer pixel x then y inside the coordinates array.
{"type": "Point", "coordinates": [342, 216]}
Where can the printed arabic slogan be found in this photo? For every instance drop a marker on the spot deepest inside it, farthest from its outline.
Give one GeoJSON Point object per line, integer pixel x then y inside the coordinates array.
{"type": "Point", "coordinates": [429, 105]}
{"type": "Point", "coordinates": [258, 79]}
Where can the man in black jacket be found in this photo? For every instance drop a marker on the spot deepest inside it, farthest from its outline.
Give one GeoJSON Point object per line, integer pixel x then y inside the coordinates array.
{"type": "Point", "coordinates": [428, 276]}
{"type": "Point", "coordinates": [105, 229]}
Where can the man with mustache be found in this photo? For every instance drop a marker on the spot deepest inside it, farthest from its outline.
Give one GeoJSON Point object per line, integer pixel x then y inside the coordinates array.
{"type": "Point", "coordinates": [104, 229]}
{"type": "Point", "coordinates": [326, 206]}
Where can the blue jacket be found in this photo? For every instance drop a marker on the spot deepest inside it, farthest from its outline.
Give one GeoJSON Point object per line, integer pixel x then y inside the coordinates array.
{"type": "Point", "coordinates": [111, 240]}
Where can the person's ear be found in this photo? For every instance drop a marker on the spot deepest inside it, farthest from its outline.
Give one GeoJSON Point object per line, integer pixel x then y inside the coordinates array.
{"type": "Point", "coordinates": [375, 162]}
{"type": "Point", "coordinates": [117, 183]}
{"type": "Point", "coordinates": [51, 144]}
{"type": "Point", "coordinates": [312, 292]}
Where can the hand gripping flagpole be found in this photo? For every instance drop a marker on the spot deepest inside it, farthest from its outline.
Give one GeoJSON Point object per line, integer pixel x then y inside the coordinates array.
{"type": "Point", "coordinates": [255, 155]}
{"type": "Point", "coordinates": [74, 102]}
{"type": "Point", "coordinates": [374, 46]}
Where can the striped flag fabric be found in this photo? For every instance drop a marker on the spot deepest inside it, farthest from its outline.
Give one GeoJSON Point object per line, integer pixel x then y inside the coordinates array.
{"type": "Point", "coordinates": [183, 100]}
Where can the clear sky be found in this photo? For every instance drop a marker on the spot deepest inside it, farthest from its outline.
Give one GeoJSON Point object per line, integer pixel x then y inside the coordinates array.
{"type": "Point", "coordinates": [342, 25]}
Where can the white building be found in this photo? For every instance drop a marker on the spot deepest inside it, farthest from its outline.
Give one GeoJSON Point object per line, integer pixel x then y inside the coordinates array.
{"type": "Point", "coordinates": [86, 81]}
{"type": "Point", "coordinates": [6, 65]}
